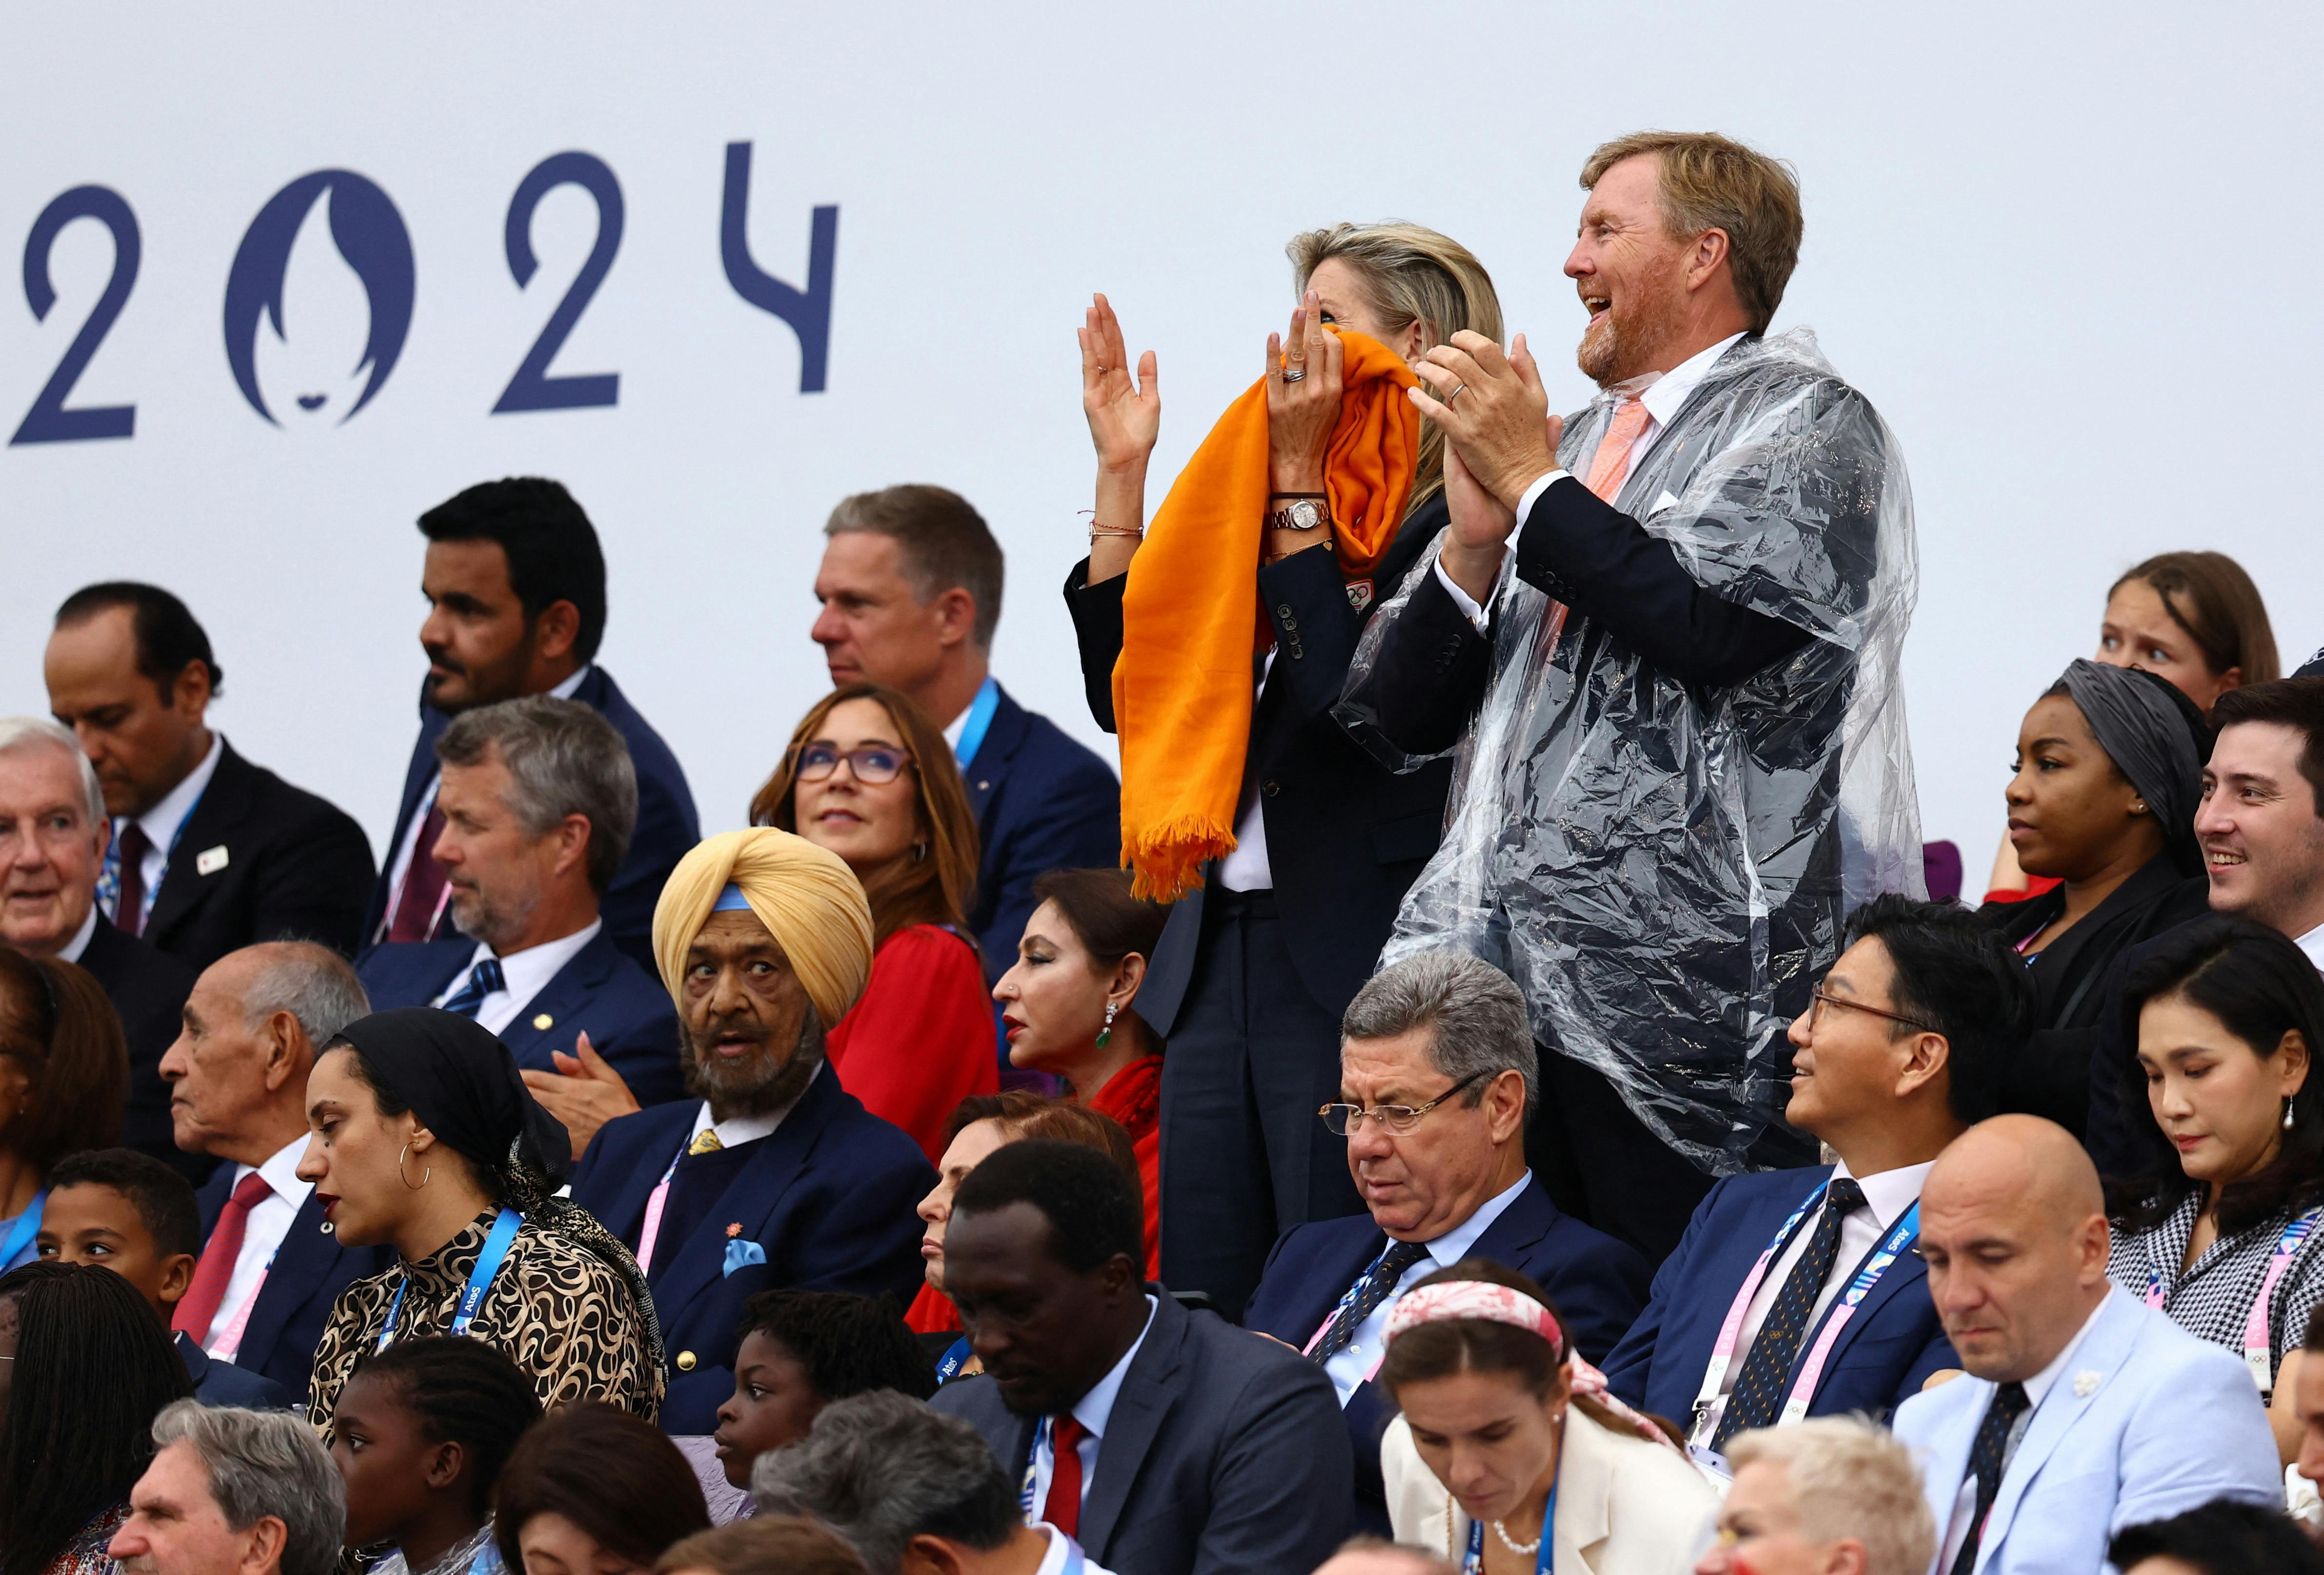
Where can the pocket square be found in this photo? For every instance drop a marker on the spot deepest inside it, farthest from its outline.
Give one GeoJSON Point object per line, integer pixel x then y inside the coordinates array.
{"type": "Point", "coordinates": [742, 1253]}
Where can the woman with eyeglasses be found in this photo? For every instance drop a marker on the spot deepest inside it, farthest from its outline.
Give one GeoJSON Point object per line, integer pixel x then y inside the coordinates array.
{"type": "Point", "coordinates": [870, 778]}
{"type": "Point", "coordinates": [64, 1074]}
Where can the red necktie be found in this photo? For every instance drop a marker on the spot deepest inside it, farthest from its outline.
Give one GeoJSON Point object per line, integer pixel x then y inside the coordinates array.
{"type": "Point", "coordinates": [1062, 1507]}
{"type": "Point", "coordinates": [199, 1307]}
{"type": "Point", "coordinates": [423, 883]}
{"type": "Point", "coordinates": [129, 910]}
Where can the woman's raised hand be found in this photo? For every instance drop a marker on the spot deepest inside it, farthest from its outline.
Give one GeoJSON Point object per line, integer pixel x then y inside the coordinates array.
{"type": "Point", "coordinates": [1303, 399]}
{"type": "Point", "coordinates": [1124, 417]}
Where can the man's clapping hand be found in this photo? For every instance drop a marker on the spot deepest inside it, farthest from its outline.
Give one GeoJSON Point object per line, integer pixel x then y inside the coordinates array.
{"type": "Point", "coordinates": [583, 1093]}
{"type": "Point", "coordinates": [1494, 412]}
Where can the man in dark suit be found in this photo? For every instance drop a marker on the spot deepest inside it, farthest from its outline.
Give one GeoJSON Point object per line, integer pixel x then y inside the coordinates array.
{"type": "Point", "coordinates": [270, 1266]}
{"type": "Point", "coordinates": [910, 586]}
{"type": "Point", "coordinates": [1900, 1051]}
{"type": "Point", "coordinates": [209, 853]}
{"type": "Point", "coordinates": [1165, 1442]}
{"type": "Point", "coordinates": [53, 834]}
{"type": "Point", "coordinates": [776, 1178]}
{"type": "Point", "coordinates": [516, 593]}
{"type": "Point", "coordinates": [538, 798]}
{"type": "Point", "coordinates": [1444, 1033]}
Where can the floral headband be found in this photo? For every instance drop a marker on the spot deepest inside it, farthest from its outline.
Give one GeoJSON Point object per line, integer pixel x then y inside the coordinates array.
{"type": "Point", "coordinates": [1475, 1299]}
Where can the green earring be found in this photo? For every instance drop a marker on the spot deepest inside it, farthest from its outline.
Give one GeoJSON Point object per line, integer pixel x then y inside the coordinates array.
{"type": "Point", "coordinates": [1105, 1035]}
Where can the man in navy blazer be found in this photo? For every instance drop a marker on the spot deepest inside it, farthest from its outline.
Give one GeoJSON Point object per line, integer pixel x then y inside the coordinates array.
{"type": "Point", "coordinates": [516, 589]}
{"type": "Point", "coordinates": [1453, 1184]}
{"type": "Point", "coordinates": [1195, 1446]}
{"type": "Point", "coordinates": [237, 1078]}
{"type": "Point", "coordinates": [1901, 1048]}
{"type": "Point", "coordinates": [910, 586]}
{"type": "Point", "coordinates": [538, 798]}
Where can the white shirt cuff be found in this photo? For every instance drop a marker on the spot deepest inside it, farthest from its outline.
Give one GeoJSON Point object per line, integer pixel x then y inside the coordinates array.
{"type": "Point", "coordinates": [1525, 504]}
{"type": "Point", "coordinates": [1461, 598]}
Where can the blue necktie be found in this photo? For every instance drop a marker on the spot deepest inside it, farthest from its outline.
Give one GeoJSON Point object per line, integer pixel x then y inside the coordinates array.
{"type": "Point", "coordinates": [483, 979]}
{"type": "Point", "coordinates": [1383, 1278]}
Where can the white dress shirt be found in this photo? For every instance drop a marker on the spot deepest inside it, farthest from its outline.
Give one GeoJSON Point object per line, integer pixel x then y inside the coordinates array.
{"type": "Point", "coordinates": [1092, 1411]}
{"type": "Point", "coordinates": [162, 824]}
{"type": "Point", "coordinates": [269, 1222]}
{"type": "Point", "coordinates": [736, 1130]}
{"type": "Point", "coordinates": [1246, 869]}
{"type": "Point", "coordinates": [402, 866]}
{"type": "Point", "coordinates": [1886, 1196]}
{"type": "Point", "coordinates": [71, 949]}
{"type": "Point", "coordinates": [1061, 1550]}
{"type": "Point", "coordinates": [2039, 1385]}
{"type": "Point", "coordinates": [524, 974]}
{"type": "Point", "coordinates": [1664, 396]}
{"type": "Point", "coordinates": [2312, 943]}
{"type": "Point", "coordinates": [1360, 1356]}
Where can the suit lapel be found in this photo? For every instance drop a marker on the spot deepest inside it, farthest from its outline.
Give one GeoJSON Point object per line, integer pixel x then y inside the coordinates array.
{"type": "Point", "coordinates": [563, 996]}
{"type": "Point", "coordinates": [1140, 1407]}
{"type": "Point", "coordinates": [661, 1129]}
{"type": "Point", "coordinates": [1524, 1221]}
{"type": "Point", "coordinates": [1908, 1270]}
{"type": "Point", "coordinates": [2101, 1354]}
{"type": "Point", "coordinates": [301, 1263]}
{"type": "Point", "coordinates": [1004, 735]}
{"type": "Point", "coordinates": [217, 812]}
{"type": "Point", "coordinates": [1585, 1492]}
{"type": "Point", "coordinates": [1330, 1280]}
{"type": "Point", "coordinates": [751, 1197]}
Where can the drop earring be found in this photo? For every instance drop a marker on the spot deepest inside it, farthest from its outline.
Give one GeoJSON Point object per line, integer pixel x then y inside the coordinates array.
{"type": "Point", "coordinates": [1105, 1035]}
{"type": "Point", "coordinates": [2287, 1113]}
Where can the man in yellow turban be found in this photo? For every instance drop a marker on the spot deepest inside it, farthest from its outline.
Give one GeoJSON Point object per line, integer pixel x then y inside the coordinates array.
{"type": "Point", "coordinates": [772, 1176]}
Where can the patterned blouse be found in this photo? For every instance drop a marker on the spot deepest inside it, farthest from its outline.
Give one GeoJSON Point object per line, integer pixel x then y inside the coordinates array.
{"type": "Point", "coordinates": [2214, 1297]}
{"type": "Point", "coordinates": [85, 1554]}
{"type": "Point", "coordinates": [564, 1315]}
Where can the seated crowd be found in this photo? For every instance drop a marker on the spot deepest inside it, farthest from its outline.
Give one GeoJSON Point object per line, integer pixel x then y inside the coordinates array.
{"type": "Point", "coordinates": [1323, 1148]}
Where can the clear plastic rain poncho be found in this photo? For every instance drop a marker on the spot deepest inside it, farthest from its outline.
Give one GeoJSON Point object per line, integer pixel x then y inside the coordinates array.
{"type": "Point", "coordinates": [1664, 870]}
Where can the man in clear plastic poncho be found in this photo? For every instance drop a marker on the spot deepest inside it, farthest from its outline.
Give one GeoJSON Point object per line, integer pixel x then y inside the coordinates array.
{"type": "Point", "coordinates": [1682, 740]}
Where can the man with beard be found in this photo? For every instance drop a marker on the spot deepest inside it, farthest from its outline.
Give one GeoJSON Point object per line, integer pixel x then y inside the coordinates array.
{"type": "Point", "coordinates": [1657, 827]}
{"type": "Point", "coordinates": [516, 596]}
{"type": "Point", "coordinates": [777, 1178]}
{"type": "Point", "coordinates": [539, 798]}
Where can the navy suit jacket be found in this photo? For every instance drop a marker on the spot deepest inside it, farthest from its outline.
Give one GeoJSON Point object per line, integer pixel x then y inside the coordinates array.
{"type": "Point", "coordinates": [667, 825]}
{"type": "Point", "coordinates": [829, 1195]}
{"type": "Point", "coordinates": [310, 1269]}
{"type": "Point", "coordinates": [627, 1014]}
{"type": "Point", "coordinates": [1224, 1454]}
{"type": "Point", "coordinates": [1882, 1356]}
{"type": "Point", "coordinates": [1598, 1283]}
{"type": "Point", "coordinates": [218, 1383]}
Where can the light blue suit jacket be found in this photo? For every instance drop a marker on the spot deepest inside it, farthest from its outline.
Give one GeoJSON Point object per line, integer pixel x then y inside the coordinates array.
{"type": "Point", "coordinates": [2145, 1423]}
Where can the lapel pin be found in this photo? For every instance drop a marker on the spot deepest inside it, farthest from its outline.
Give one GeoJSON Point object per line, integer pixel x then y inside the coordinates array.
{"type": "Point", "coordinates": [544, 1021]}
{"type": "Point", "coordinates": [734, 1230]}
{"type": "Point", "coordinates": [2086, 1383]}
{"type": "Point", "coordinates": [327, 1228]}
{"type": "Point", "coordinates": [210, 861]}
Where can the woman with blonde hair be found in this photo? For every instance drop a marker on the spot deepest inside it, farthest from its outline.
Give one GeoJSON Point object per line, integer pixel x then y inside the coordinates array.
{"type": "Point", "coordinates": [869, 777]}
{"type": "Point", "coordinates": [1288, 845]}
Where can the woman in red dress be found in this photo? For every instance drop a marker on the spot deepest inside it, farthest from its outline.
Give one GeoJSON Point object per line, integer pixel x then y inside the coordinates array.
{"type": "Point", "coordinates": [1066, 1008]}
{"type": "Point", "coordinates": [867, 775]}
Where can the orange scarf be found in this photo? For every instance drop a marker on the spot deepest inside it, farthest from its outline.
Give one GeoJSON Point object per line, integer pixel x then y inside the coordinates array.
{"type": "Point", "coordinates": [1182, 687]}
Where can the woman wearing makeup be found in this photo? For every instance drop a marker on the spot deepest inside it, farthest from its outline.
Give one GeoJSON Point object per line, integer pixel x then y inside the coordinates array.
{"type": "Point", "coordinates": [2227, 1015]}
{"type": "Point", "coordinates": [868, 776]}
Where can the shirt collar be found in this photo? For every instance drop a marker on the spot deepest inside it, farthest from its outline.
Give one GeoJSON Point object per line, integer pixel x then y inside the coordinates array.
{"type": "Point", "coordinates": [1093, 1409]}
{"type": "Point", "coordinates": [2312, 943]}
{"type": "Point", "coordinates": [161, 823]}
{"type": "Point", "coordinates": [1453, 1246]}
{"type": "Point", "coordinates": [1061, 1547]}
{"type": "Point", "coordinates": [280, 1171]}
{"type": "Point", "coordinates": [1664, 397]}
{"type": "Point", "coordinates": [527, 973]}
{"type": "Point", "coordinates": [565, 690]}
{"type": "Point", "coordinates": [2039, 1383]}
{"type": "Point", "coordinates": [71, 949]}
{"type": "Point", "coordinates": [736, 1130]}
{"type": "Point", "coordinates": [1889, 1193]}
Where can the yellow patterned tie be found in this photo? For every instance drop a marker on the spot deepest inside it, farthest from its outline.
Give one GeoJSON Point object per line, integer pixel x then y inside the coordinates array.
{"type": "Point", "coordinates": [705, 1142]}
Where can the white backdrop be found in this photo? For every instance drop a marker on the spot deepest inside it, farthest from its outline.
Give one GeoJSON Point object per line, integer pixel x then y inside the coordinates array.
{"type": "Point", "coordinates": [2069, 252]}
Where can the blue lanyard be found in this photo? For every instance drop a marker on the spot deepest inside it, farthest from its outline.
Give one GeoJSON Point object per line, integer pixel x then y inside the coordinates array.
{"type": "Point", "coordinates": [1474, 1563]}
{"type": "Point", "coordinates": [948, 1367]}
{"type": "Point", "coordinates": [1032, 1465]}
{"type": "Point", "coordinates": [472, 1296]}
{"type": "Point", "coordinates": [28, 1225]}
{"type": "Point", "coordinates": [980, 718]}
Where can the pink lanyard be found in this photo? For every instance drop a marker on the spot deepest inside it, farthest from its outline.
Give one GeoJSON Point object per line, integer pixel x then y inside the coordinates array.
{"type": "Point", "coordinates": [1722, 1352]}
{"type": "Point", "coordinates": [651, 1231]}
{"type": "Point", "coordinates": [2259, 1350]}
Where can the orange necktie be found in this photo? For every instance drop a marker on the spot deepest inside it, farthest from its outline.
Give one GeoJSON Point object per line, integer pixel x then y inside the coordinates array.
{"type": "Point", "coordinates": [1610, 468]}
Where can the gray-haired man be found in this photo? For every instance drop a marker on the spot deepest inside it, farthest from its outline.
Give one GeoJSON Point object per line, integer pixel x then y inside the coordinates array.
{"type": "Point", "coordinates": [539, 798]}
{"type": "Point", "coordinates": [917, 1492]}
{"type": "Point", "coordinates": [232, 1493]}
{"type": "Point", "coordinates": [1437, 1081]}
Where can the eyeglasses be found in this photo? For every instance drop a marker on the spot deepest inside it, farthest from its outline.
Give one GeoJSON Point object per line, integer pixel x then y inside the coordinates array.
{"type": "Point", "coordinates": [1342, 1119]}
{"type": "Point", "coordinates": [872, 764]}
{"type": "Point", "coordinates": [1817, 1000]}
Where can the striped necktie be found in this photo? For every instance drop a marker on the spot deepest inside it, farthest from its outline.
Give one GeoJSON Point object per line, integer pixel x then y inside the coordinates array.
{"type": "Point", "coordinates": [484, 979]}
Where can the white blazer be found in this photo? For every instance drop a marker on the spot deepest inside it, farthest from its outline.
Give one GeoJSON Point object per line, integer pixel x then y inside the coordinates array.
{"type": "Point", "coordinates": [1625, 1507]}
{"type": "Point", "coordinates": [2146, 1422]}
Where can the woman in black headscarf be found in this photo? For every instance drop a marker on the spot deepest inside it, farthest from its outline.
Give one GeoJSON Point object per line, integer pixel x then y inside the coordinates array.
{"type": "Point", "coordinates": [2109, 773]}
{"type": "Point", "coordinates": [425, 1139]}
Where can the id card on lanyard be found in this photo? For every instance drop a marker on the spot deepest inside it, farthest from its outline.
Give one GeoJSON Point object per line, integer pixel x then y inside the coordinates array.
{"type": "Point", "coordinates": [472, 1294]}
{"type": "Point", "coordinates": [2259, 1346]}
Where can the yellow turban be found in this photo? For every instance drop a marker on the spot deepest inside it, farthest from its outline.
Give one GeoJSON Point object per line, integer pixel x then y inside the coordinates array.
{"type": "Point", "coordinates": [808, 898]}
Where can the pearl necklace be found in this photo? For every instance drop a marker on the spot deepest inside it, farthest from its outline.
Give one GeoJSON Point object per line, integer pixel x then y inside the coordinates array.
{"type": "Point", "coordinates": [1524, 1549]}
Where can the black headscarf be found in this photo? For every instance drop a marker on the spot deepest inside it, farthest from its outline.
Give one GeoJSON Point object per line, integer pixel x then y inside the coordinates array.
{"type": "Point", "coordinates": [2156, 737]}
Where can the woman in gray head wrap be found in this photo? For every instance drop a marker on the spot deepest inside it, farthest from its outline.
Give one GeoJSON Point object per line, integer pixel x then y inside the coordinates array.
{"type": "Point", "coordinates": [2109, 772]}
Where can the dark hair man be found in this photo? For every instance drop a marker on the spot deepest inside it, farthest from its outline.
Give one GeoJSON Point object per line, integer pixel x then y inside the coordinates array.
{"type": "Point", "coordinates": [538, 798]}
{"type": "Point", "coordinates": [126, 1211]}
{"type": "Point", "coordinates": [1900, 1050]}
{"type": "Point", "coordinates": [910, 587]}
{"type": "Point", "coordinates": [1163, 1440]}
{"type": "Point", "coordinates": [209, 853]}
{"type": "Point", "coordinates": [516, 596]}
{"type": "Point", "coordinates": [1654, 812]}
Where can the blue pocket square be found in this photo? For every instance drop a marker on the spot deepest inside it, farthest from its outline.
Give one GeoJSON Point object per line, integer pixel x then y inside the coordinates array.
{"type": "Point", "coordinates": [742, 1253]}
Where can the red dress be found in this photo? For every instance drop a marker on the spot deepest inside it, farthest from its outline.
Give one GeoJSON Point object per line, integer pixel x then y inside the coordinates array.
{"type": "Point", "coordinates": [1133, 1097]}
{"type": "Point", "coordinates": [920, 1040]}
{"type": "Point", "coordinates": [931, 1312]}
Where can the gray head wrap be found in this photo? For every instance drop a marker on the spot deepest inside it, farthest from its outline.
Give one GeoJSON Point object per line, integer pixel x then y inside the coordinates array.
{"type": "Point", "coordinates": [2139, 724]}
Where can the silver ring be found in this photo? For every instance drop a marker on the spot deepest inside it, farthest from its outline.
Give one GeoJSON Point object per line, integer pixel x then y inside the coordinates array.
{"type": "Point", "coordinates": [1453, 395]}
{"type": "Point", "coordinates": [1294, 373]}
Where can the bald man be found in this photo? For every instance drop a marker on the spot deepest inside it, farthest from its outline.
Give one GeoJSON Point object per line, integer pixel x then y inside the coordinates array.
{"type": "Point", "coordinates": [2084, 1411]}
{"type": "Point", "coordinates": [771, 1177]}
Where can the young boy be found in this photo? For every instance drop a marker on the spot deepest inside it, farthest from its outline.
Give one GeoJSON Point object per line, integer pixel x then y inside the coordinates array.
{"type": "Point", "coordinates": [128, 1212]}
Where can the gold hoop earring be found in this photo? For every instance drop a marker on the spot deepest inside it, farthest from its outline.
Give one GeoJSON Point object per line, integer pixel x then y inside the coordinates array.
{"type": "Point", "coordinates": [426, 1174]}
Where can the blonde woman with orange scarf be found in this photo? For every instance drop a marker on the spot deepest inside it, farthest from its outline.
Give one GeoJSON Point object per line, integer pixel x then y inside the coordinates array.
{"type": "Point", "coordinates": [1215, 645]}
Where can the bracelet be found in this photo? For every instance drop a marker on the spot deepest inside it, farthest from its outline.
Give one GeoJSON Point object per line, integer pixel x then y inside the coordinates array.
{"type": "Point", "coordinates": [1096, 530]}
